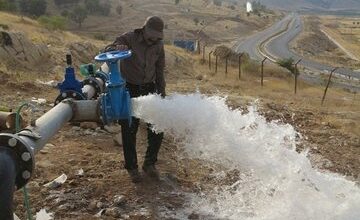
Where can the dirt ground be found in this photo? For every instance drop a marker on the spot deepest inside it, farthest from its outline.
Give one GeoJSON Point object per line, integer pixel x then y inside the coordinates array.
{"type": "Point", "coordinates": [105, 189]}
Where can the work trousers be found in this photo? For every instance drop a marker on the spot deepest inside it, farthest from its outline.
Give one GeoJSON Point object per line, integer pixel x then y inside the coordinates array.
{"type": "Point", "coordinates": [129, 132]}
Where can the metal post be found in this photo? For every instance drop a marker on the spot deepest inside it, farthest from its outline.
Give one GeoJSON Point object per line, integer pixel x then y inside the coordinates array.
{"type": "Point", "coordinates": [240, 64]}
{"type": "Point", "coordinates": [216, 63]}
{"type": "Point", "coordinates": [203, 58]}
{"type": "Point", "coordinates": [226, 66]}
{"type": "Point", "coordinates": [210, 59]}
{"type": "Point", "coordinates": [262, 72]}
{"type": "Point", "coordinates": [327, 86]}
{"type": "Point", "coordinates": [296, 74]}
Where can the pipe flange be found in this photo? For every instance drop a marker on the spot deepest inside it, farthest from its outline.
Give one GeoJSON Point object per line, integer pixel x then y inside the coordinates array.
{"type": "Point", "coordinates": [103, 76]}
{"type": "Point", "coordinates": [24, 158]}
{"type": "Point", "coordinates": [69, 94]}
{"type": "Point", "coordinates": [95, 84]}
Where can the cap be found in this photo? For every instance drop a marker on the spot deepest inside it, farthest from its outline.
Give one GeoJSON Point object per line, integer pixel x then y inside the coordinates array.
{"type": "Point", "coordinates": [154, 26]}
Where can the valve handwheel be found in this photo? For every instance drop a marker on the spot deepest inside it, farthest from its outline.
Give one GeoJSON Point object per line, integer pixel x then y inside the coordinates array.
{"type": "Point", "coordinates": [113, 56]}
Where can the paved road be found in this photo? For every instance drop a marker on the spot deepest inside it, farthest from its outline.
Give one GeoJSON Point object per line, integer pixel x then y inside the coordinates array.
{"type": "Point", "coordinates": [251, 44]}
{"type": "Point", "coordinates": [278, 46]}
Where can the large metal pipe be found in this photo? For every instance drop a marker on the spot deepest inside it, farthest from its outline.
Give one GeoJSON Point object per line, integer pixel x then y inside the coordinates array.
{"type": "Point", "coordinates": [25, 144]}
{"type": "Point", "coordinates": [8, 121]}
{"type": "Point", "coordinates": [86, 111]}
{"type": "Point", "coordinates": [90, 91]}
{"type": "Point", "coordinates": [7, 183]}
{"type": "Point", "coordinates": [52, 121]}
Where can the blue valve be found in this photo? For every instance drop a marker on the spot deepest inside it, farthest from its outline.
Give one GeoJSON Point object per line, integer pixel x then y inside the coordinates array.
{"type": "Point", "coordinates": [115, 102]}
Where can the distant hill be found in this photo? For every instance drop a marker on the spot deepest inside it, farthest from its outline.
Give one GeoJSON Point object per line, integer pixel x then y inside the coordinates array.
{"type": "Point", "coordinates": [313, 4]}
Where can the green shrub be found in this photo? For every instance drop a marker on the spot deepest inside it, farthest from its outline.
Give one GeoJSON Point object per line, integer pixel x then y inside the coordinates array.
{"type": "Point", "coordinates": [4, 26]}
{"type": "Point", "coordinates": [53, 22]}
{"type": "Point", "coordinates": [100, 36]}
{"type": "Point", "coordinates": [288, 64]}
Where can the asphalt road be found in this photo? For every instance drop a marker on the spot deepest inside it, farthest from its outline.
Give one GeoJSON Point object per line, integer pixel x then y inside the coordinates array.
{"type": "Point", "coordinates": [275, 41]}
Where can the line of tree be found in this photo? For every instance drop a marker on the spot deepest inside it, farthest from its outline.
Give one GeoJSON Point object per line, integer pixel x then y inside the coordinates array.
{"type": "Point", "coordinates": [34, 8]}
{"type": "Point", "coordinates": [97, 8]}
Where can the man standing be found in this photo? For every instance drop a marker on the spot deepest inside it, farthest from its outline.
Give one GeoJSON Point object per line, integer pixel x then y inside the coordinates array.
{"type": "Point", "coordinates": [144, 74]}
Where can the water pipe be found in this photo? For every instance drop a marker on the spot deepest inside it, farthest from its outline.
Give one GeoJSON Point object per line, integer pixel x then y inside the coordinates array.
{"type": "Point", "coordinates": [7, 121]}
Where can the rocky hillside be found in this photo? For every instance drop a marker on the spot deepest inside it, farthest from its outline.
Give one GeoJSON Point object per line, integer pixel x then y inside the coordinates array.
{"type": "Point", "coordinates": [25, 44]}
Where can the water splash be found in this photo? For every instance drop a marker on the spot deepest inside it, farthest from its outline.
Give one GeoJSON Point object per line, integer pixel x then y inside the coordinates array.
{"type": "Point", "coordinates": [276, 181]}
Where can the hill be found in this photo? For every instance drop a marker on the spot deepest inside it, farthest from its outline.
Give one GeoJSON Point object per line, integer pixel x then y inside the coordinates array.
{"type": "Point", "coordinates": [313, 4]}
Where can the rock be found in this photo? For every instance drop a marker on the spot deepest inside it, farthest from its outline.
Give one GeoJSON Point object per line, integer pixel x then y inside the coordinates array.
{"type": "Point", "coordinates": [51, 83]}
{"type": "Point", "coordinates": [43, 215]}
{"type": "Point", "coordinates": [57, 182]}
{"type": "Point", "coordinates": [76, 128]}
{"type": "Point", "coordinates": [100, 205]}
{"type": "Point", "coordinates": [113, 128]}
{"type": "Point", "coordinates": [92, 205]}
{"type": "Point", "coordinates": [80, 172]}
{"type": "Point", "coordinates": [118, 139]}
{"type": "Point", "coordinates": [89, 125]}
{"type": "Point", "coordinates": [49, 146]}
{"type": "Point", "coordinates": [88, 132]}
{"type": "Point", "coordinates": [113, 212]}
{"type": "Point", "coordinates": [100, 213]}
{"type": "Point", "coordinates": [119, 200]}
{"type": "Point", "coordinates": [39, 101]}
{"type": "Point", "coordinates": [194, 216]}
{"type": "Point", "coordinates": [199, 77]}
{"type": "Point", "coordinates": [44, 151]}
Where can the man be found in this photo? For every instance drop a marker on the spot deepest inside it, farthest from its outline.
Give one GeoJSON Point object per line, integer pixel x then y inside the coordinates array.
{"type": "Point", "coordinates": [144, 74]}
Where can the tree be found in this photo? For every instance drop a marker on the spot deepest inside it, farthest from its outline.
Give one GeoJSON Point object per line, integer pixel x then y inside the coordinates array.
{"type": "Point", "coordinates": [288, 64]}
{"type": "Point", "coordinates": [119, 9]}
{"type": "Point", "coordinates": [78, 15]}
{"type": "Point", "coordinates": [104, 9]}
{"type": "Point", "coordinates": [94, 7]}
{"type": "Point", "coordinates": [177, 2]}
{"type": "Point", "coordinates": [7, 5]}
{"type": "Point", "coordinates": [65, 2]}
{"type": "Point", "coordinates": [33, 7]}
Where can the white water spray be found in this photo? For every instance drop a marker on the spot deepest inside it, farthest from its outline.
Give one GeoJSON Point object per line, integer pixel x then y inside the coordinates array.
{"type": "Point", "coordinates": [277, 182]}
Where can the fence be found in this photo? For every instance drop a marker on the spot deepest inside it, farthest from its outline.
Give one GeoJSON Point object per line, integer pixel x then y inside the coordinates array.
{"type": "Point", "coordinates": [215, 62]}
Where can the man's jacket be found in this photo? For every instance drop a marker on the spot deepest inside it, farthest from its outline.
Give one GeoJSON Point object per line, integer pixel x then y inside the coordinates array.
{"type": "Point", "coordinates": [146, 64]}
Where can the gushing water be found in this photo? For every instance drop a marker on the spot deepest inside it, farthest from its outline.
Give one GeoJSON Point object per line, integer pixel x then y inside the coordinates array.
{"type": "Point", "coordinates": [276, 181]}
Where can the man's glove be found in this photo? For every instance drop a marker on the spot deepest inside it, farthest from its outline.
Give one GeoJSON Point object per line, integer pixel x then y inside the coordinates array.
{"type": "Point", "coordinates": [114, 47]}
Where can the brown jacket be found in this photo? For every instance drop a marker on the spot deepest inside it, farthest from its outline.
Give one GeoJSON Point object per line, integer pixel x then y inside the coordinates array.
{"type": "Point", "coordinates": [146, 64]}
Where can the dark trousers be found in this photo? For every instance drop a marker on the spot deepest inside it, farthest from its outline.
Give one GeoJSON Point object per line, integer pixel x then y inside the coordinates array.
{"type": "Point", "coordinates": [129, 132]}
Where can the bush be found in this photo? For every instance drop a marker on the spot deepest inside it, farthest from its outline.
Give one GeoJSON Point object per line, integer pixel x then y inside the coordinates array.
{"type": "Point", "coordinates": [53, 22]}
{"type": "Point", "coordinates": [7, 5]}
{"type": "Point", "coordinates": [94, 7]}
{"type": "Point", "coordinates": [100, 36]}
{"type": "Point", "coordinates": [217, 2]}
{"type": "Point", "coordinates": [65, 2]}
{"type": "Point", "coordinates": [4, 26]}
{"type": "Point", "coordinates": [78, 15]}
{"type": "Point", "coordinates": [177, 2]}
{"type": "Point", "coordinates": [33, 7]}
{"type": "Point", "coordinates": [65, 13]}
{"type": "Point", "coordinates": [119, 9]}
{"type": "Point", "coordinates": [288, 64]}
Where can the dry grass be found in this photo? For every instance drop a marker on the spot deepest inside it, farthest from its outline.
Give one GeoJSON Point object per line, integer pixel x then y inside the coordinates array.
{"type": "Point", "coordinates": [344, 32]}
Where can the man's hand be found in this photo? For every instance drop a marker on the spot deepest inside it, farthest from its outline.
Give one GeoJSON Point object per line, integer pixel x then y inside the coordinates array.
{"type": "Point", "coordinates": [121, 47]}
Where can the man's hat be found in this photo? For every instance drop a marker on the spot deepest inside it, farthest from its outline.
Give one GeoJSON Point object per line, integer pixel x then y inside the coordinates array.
{"type": "Point", "coordinates": [154, 27]}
